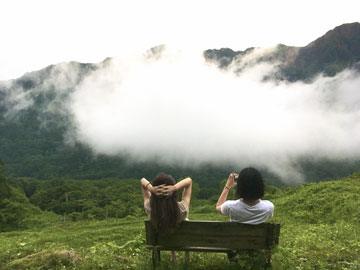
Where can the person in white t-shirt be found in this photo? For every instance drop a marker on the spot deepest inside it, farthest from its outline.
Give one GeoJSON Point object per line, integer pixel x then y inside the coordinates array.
{"type": "Point", "coordinates": [249, 209]}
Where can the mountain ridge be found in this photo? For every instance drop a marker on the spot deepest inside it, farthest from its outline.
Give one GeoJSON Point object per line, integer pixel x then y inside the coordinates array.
{"type": "Point", "coordinates": [32, 134]}
{"type": "Point", "coordinates": [330, 54]}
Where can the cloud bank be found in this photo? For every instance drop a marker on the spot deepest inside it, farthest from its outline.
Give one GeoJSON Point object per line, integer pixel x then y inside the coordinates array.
{"type": "Point", "coordinates": [174, 107]}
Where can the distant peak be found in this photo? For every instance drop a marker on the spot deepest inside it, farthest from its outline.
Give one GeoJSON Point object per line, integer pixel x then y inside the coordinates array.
{"type": "Point", "coordinates": [344, 31]}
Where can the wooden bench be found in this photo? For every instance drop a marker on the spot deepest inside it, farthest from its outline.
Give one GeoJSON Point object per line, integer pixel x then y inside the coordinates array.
{"type": "Point", "coordinates": [213, 236]}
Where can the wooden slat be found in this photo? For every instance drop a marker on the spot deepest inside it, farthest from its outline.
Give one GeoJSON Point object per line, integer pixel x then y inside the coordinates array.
{"type": "Point", "coordinates": [230, 240]}
{"type": "Point", "coordinates": [221, 228]}
{"type": "Point", "coordinates": [200, 249]}
{"type": "Point", "coordinates": [215, 235]}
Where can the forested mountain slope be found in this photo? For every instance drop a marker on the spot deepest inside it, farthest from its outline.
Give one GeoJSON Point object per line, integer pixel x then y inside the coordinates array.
{"type": "Point", "coordinates": [35, 121]}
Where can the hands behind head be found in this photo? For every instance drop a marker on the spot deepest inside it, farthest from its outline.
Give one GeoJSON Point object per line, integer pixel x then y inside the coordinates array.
{"type": "Point", "coordinates": [163, 190]}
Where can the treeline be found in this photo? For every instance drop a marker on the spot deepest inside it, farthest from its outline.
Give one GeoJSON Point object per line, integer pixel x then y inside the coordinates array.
{"type": "Point", "coordinates": [84, 199]}
{"type": "Point", "coordinates": [32, 145]}
{"type": "Point", "coordinates": [31, 149]}
{"type": "Point", "coordinates": [96, 199]}
{"type": "Point", "coordinates": [16, 211]}
{"type": "Point", "coordinates": [28, 201]}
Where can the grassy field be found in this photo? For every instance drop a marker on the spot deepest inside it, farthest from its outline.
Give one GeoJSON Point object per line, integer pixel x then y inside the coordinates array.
{"type": "Point", "coordinates": [320, 230]}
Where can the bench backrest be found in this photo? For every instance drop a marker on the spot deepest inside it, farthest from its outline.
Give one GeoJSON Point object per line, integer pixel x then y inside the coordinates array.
{"type": "Point", "coordinates": [208, 235]}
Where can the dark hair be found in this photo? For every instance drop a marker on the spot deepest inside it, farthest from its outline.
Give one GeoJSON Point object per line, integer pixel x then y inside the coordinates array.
{"type": "Point", "coordinates": [165, 211]}
{"type": "Point", "coordinates": [250, 184]}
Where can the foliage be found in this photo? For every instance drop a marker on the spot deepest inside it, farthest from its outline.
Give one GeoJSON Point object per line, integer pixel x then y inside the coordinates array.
{"type": "Point", "coordinates": [98, 199]}
{"type": "Point", "coordinates": [54, 259]}
{"type": "Point", "coordinates": [323, 202]}
{"type": "Point", "coordinates": [16, 212]}
{"type": "Point", "coordinates": [4, 188]}
{"type": "Point", "coordinates": [319, 230]}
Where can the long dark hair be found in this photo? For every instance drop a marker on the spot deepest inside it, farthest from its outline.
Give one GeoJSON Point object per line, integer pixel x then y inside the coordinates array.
{"type": "Point", "coordinates": [165, 211]}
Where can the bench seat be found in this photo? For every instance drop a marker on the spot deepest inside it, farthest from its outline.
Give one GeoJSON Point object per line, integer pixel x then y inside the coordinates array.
{"type": "Point", "coordinates": [213, 236]}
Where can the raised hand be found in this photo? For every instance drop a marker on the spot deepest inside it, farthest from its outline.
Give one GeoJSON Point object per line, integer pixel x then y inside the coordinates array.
{"type": "Point", "coordinates": [231, 180]}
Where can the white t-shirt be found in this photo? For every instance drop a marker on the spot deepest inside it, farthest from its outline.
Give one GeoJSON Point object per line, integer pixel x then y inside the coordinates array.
{"type": "Point", "coordinates": [239, 211]}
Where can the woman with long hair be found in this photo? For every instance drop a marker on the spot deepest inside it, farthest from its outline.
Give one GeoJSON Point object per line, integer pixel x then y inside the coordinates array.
{"type": "Point", "coordinates": [162, 206]}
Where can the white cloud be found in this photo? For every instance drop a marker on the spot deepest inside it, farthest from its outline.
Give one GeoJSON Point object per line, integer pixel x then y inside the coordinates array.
{"type": "Point", "coordinates": [185, 111]}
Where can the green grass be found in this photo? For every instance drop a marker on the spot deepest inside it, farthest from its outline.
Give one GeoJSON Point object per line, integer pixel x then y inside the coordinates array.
{"type": "Point", "coordinates": [320, 230]}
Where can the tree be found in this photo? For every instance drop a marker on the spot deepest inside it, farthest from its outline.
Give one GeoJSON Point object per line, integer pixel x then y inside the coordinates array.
{"type": "Point", "coordinates": [4, 188]}
{"type": "Point", "coordinates": [15, 208]}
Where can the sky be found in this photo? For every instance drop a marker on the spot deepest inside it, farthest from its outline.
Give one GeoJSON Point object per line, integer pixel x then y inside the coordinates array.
{"type": "Point", "coordinates": [175, 107]}
{"type": "Point", "coordinates": [38, 33]}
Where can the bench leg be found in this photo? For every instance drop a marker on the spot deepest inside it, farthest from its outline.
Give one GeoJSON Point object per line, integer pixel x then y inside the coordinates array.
{"type": "Point", "coordinates": [155, 256]}
{"type": "Point", "coordinates": [268, 261]}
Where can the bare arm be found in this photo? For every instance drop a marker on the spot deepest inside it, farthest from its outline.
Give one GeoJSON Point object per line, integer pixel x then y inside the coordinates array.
{"type": "Point", "coordinates": [146, 189]}
{"type": "Point", "coordinates": [187, 184]}
{"type": "Point", "coordinates": [229, 184]}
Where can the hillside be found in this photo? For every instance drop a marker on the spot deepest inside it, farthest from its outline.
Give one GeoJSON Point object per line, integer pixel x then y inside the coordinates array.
{"type": "Point", "coordinates": [319, 230]}
{"type": "Point", "coordinates": [16, 211]}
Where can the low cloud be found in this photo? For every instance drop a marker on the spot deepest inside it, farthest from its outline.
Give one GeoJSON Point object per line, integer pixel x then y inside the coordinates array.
{"type": "Point", "coordinates": [174, 107]}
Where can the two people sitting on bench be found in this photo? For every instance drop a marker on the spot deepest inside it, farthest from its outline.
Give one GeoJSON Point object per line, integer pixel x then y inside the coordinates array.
{"type": "Point", "coordinates": [161, 204]}
{"type": "Point", "coordinates": [249, 208]}
{"type": "Point", "coordinates": [165, 212]}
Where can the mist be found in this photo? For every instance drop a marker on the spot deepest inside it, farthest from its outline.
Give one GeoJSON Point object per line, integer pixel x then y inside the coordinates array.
{"type": "Point", "coordinates": [174, 107]}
